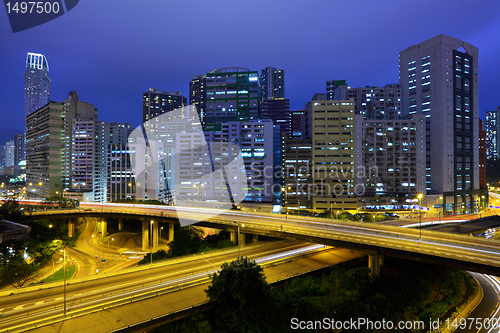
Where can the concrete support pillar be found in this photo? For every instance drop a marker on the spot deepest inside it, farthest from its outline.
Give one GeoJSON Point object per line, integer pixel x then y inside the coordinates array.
{"type": "Point", "coordinates": [241, 241]}
{"type": "Point", "coordinates": [120, 223]}
{"type": "Point", "coordinates": [373, 264]}
{"type": "Point", "coordinates": [170, 232]}
{"type": "Point", "coordinates": [71, 227]}
{"type": "Point", "coordinates": [104, 227]}
{"type": "Point", "coordinates": [145, 235]}
{"type": "Point", "coordinates": [255, 238]}
{"type": "Point", "coordinates": [154, 227]}
{"type": "Point", "coordinates": [232, 237]}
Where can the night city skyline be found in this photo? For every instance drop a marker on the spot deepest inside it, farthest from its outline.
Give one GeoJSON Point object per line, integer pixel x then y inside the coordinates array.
{"type": "Point", "coordinates": [170, 42]}
{"type": "Point", "coordinates": [249, 166]}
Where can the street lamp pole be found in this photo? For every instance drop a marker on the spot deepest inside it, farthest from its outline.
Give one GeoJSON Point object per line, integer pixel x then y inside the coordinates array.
{"type": "Point", "coordinates": [108, 246]}
{"type": "Point", "coordinates": [285, 190]}
{"type": "Point", "coordinates": [159, 240]}
{"type": "Point", "coordinates": [419, 196]}
{"type": "Point", "coordinates": [64, 267]}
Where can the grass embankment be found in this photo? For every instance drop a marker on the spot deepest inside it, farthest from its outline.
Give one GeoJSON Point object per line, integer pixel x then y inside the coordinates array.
{"type": "Point", "coordinates": [59, 275]}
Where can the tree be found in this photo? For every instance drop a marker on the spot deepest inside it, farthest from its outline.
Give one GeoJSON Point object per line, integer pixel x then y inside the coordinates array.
{"type": "Point", "coordinates": [17, 271]}
{"type": "Point", "coordinates": [11, 211]}
{"type": "Point", "coordinates": [242, 296]}
{"type": "Point", "coordinates": [185, 242]}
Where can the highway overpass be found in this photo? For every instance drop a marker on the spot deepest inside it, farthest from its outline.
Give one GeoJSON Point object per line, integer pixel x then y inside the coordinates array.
{"type": "Point", "coordinates": [455, 251]}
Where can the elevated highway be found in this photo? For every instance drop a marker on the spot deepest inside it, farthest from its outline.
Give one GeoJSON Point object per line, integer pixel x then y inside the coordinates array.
{"type": "Point", "coordinates": [456, 251]}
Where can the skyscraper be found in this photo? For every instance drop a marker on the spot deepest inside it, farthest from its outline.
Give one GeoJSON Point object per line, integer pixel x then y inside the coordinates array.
{"type": "Point", "coordinates": [336, 90]}
{"type": "Point", "coordinates": [44, 150]}
{"type": "Point", "coordinates": [156, 102]}
{"type": "Point", "coordinates": [492, 134]}
{"type": "Point", "coordinates": [232, 95]}
{"type": "Point", "coordinates": [438, 78]}
{"type": "Point", "coordinates": [377, 103]}
{"type": "Point", "coordinates": [79, 130]}
{"type": "Point", "coordinates": [272, 84]}
{"type": "Point", "coordinates": [36, 83]}
{"type": "Point", "coordinates": [198, 94]}
{"type": "Point", "coordinates": [277, 110]}
{"type": "Point", "coordinates": [20, 150]}
{"type": "Point", "coordinates": [326, 157]}
{"type": "Point", "coordinates": [482, 157]}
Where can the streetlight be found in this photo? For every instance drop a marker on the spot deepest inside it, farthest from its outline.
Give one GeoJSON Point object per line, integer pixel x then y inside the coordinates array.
{"type": "Point", "coordinates": [285, 190]}
{"type": "Point", "coordinates": [97, 252]}
{"type": "Point", "coordinates": [108, 246]}
{"type": "Point", "coordinates": [159, 241]}
{"type": "Point", "coordinates": [64, 267]}
{"type": "Point", "coordinates": [198, 187]}
{"type": "Point", "coordinates": [419, 196]}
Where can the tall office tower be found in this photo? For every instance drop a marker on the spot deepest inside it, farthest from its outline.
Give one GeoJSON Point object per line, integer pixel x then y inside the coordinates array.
{"type": "Point", "coordinates": [255, 138]}
{"type": "Point", "coordinates": [232, 95]}
{"type": "Point", "coordinates": [19, 147]}
{"type": "Point", "coordinates": [36, 83]}
{"type": "Point", "coordinates": [277, 110]}
{"type": "Point", "coordinates": [121, 178]}
{"type": "Point", "coordinates": [9, 154]}
{"type": "Point", "coordinates": [44, 150]}
{"type": "Point", "coordinates": [83, 155]}
{"type": "Point", "coordinates": [296, 124]}
{"type": "Point", "coordinates": [377, 102]}
{"type": "Point", "coordinates": [492, 133]}
{"type": "Point", "coordinates": [85, 114]}
{"type": "Point", "coordinates": [198, 95]}
{"type": "Point", "coordinates": [156, 102]}
{"type": "Point", "coordinates": [2, 157]}
{"type": "Point", "coordinates": [438, 78]}
{"type": "Point", "coordinates": [297, 176]}
{"type": "Point", "coordinates": [158, 181]}
{"type": "Point", "coordinates": [336, 90]}
{"type": "Point", "coordinates": [391, 154]}
{"type": "Point", "coordinates": [195, 166]}
{"type": "Point", "coordinates": [272, 84]}
{"type": "Point", "coordinates": [482, 157]}
{"type": "Point", "coordinates": [330, 127]}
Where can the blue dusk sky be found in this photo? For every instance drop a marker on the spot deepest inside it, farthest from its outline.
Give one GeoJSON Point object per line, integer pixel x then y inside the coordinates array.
{"type": "Point", "coordinates": [111, 51]}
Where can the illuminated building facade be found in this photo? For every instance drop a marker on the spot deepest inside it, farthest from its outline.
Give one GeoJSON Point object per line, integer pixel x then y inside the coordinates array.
{"type": "Point", "coordinates": [438, 78]}
{"type": "Point", "coordinates": [232, 94]}
{"type": "Point", "coordinates": [36, 83]}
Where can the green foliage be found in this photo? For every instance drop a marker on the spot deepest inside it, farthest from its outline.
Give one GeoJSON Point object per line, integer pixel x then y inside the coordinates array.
{"type": "Point", "coordinates": [15, 270]}
{"type": "Point", "coordinates": [242, 296]}
{"type": "Point", "coordinates": [59, 275]}
{"type": "Point", "coordinates": [46, 237]}
{"type": "Point", "coordinates": [244, 301]}
{"type": "Point", "coordinates": [143, 202]}
{"type": "Point", "coordinates": [60, 202]}
{"type": "Point", "coordinates": [358, 217]}
{"type": "Point", "coordinates": [10, 211]}
{"type": "Point", "coordinates": [187, 242]}
{"type": "Point", "coordinates": [159, 255]}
